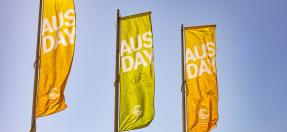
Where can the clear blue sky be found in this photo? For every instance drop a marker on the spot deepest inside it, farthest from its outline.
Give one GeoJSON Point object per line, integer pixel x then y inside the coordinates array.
{"type": "Point", "coordinates": [251, 62]}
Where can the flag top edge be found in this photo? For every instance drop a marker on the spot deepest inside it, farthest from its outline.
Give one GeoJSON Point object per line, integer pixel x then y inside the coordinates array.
{"type": "Point", "coordinates": [135, 15]}
{"type": "Point", "coordinates": [197, 27]}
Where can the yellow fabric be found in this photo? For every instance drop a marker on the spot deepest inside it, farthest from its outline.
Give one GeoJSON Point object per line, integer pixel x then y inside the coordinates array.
{"type": "Point", "coordinates": [137, 80]}
{"type": "Point", "coordinates": [57, 51]}
{"type": "Point", "coordinates": [201, 78]}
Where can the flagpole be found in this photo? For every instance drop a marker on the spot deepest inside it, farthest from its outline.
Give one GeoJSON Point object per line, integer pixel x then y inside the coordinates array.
{"type": "Point", "coordinates": [117, 74]}
{"type": "Point", "coordinates": [183, 85]}
{"type": "Point", "coordinates": [33, 122]}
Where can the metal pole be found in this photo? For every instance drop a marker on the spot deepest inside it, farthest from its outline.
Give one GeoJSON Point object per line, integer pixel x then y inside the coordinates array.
{"type": "Point", "coordinates": [117, 73]}
{"type": "Point", "coordinates": [33, 122]}
{"type": "Point", "coordinates": [183, 85]}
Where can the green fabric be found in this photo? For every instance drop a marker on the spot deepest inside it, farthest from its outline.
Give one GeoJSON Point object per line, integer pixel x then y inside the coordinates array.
{"type": "Point", "coordinates": [137, 72]}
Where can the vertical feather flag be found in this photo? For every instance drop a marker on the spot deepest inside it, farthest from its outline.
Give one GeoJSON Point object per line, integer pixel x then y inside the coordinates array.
{"type": "Point", "coordinates": [201, 78]}
{"type": "Point", "coordinates": [137, 72]}
{"type": "Point", "coordinates": [57, 51]}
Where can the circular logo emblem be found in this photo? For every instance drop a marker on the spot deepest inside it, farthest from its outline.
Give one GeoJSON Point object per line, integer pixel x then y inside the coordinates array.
{"type": "Point", "coordinates": [52, 93]}
{"type": "Point", "coordinates": [137, 110]}
{"type": "Point", "coordinates": [202, 114]}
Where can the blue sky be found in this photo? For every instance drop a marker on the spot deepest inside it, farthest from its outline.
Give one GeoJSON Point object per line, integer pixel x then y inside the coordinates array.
{"type": "Point", "coordinates": [251, 48]}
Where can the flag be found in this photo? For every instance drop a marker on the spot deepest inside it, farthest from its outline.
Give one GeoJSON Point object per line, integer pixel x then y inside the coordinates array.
{"type": "Point", "coordinates": [136, 72]}
{"type": "Point", "coordinates": [201, 78]}
{"type": "Point", "coordinates": [57, 51]}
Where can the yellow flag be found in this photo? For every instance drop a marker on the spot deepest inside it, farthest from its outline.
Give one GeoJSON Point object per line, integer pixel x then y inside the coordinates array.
{"type": "Point", "coordinates": [57, 51]}
{"type": "Point", "coordinates": [137, 72]}
{"type": "Point", "coordinates": [201, 78]}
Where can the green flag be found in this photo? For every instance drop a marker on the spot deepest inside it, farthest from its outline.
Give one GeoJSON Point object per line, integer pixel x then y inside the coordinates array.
{"type": "Point", "coordinates": [137, 72]}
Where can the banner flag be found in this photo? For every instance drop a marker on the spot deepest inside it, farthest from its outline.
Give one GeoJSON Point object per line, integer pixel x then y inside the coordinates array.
{"type": "Point", "coordinates": [137, 72]}
{"type": "Point", "coordinates": [57, 51]}
{"type": "Point", "coordinates": [201, 78]}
